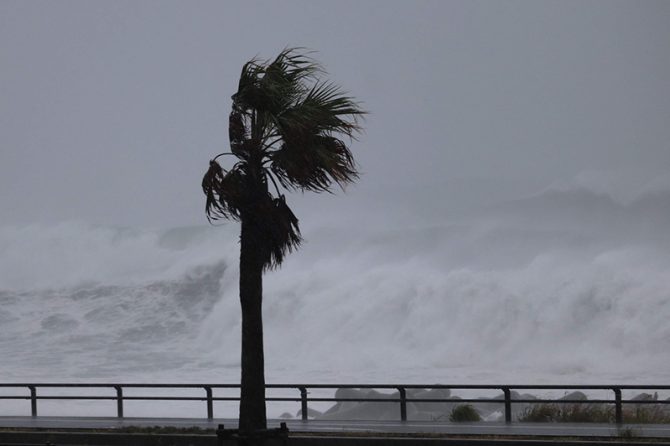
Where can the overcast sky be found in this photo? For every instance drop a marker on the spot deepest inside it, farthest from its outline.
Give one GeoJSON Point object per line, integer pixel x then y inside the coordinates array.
{"type": "Point", "coordinates": [110, 111]}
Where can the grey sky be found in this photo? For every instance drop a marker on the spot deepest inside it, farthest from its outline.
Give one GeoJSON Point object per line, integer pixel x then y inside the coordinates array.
{"type": "Point", "coordinates": [109, 111]}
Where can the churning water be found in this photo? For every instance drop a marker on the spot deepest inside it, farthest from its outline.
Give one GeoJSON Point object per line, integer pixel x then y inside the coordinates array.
{"type": "Point", "coordinates": [563, 287]}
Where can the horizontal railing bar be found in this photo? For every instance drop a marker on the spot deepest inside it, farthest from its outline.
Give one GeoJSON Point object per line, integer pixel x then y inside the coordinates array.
{"type": "Point", "coordinates": [127, 385]}
{"type": "Point", "coordinates": [398, 400]}
{"type": "Point", "coordinates": [645, 401]}
{"type": "Point", "coordinates": [326, 399]}
{"type": "Point", "coordinates": [473, 386]}
{"type": "Point", "coordinates": [164, 398]}
{"type": "Point", "coordinates": [349, 386]}
{"type": "Point", "coordinates": [73, 397]}
{"type": "Point", "coordinates": [651, 402]}
{"type": "Point", "coordinates": [281, 399]}
{"type": "Point", "coordinates": [459, 400]}
{"type": "Point", "coordinates": [137, 398]}
{"type": "Point", "coordinates": [478, 400]}
{"type": "Point", "coordinates": [464, 400]}
{"type": "Point", "coordinates": [498, 400]}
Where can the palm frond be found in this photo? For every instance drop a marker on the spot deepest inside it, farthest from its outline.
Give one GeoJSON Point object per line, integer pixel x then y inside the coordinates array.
{"type": "Point", "coordinates": [286, 124]}
{"type": "Point", "coordinates": [225, 191]}
{"type": "Point", "coordinates": [314, 164]}
{"type": "Point", "coordinates": [273, 229]}
{"type": "Point", "coordinates": [332, 110]}
{"type": "Point", "coordinates": [237, 133]}
{"type": "Point", "coordinates": [269, 87]}
{"type": "Point", "coordinates": [281, 231]}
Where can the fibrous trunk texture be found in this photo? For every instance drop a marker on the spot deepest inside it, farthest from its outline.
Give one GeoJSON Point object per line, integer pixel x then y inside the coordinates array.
{"type": "Point", "coordinates": [252, 393]}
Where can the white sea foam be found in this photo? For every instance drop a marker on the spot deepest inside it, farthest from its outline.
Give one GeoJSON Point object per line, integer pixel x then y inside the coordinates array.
{"type": "Point", "coordinates": [566, 287]}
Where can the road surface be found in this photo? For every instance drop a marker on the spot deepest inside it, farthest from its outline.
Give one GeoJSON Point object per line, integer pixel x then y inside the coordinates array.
{"type": "Point", "coordinates": [481, 428]}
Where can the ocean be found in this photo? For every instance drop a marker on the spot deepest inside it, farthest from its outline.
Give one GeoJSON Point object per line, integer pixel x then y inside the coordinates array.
{"type": "Point", "coordinates": [562, 287]}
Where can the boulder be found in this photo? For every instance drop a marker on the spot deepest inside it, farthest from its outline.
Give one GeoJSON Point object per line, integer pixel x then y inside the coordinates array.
{"type": "Point", "coordinates": [345, 405]}
{"type": "Point", "coordinates": [581, 396]}
{"type": "Point", "coordinates": [367, 410]}
{"type": "Point", "coordinates": [432, 411]}
{"type": "Point", "coordinates": [644, 397]}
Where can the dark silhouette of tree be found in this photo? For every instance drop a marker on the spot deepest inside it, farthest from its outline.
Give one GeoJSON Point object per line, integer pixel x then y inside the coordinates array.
{"type": "Point", "coordinates": [289, 130]}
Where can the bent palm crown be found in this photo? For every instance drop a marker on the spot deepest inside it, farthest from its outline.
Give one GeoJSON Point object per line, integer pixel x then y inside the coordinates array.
{"type": "Point", "coordinates": [287, 127]}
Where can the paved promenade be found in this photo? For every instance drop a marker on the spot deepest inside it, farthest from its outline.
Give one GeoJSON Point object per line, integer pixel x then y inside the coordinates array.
{"type": "Point", "coordinates": [481, 428]}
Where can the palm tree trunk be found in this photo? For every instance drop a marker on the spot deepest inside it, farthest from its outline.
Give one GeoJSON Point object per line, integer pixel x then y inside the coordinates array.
{"type": "Point", "coordinates": [252, 392]}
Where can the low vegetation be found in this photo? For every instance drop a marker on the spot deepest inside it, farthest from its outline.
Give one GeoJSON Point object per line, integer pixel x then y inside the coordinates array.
{"type": "Point", "coordinates": [464, 412]}
{"type": "Point", "coordinates": [593, 413]}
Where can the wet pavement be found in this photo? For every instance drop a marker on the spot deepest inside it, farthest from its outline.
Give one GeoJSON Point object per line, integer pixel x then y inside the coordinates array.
{"type": "Point", "coordinates": [480, 428]}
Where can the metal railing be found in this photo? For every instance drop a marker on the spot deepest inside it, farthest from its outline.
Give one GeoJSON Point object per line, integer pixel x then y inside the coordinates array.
{"type": "Point", "coordinates": [402, 398]}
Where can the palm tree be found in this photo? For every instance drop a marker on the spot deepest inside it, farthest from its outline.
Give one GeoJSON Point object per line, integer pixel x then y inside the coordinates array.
{"type": "Point", "coordinates": [288, 130]}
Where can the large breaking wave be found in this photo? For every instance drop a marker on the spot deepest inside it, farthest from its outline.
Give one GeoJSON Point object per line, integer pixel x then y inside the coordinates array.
{"type": "Point", "coordinates": [566, 286]}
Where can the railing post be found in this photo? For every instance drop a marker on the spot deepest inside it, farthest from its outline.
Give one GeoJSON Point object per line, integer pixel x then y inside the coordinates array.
{"type": "Point", "coordinates": [119, 401]}
{"type": "Point", "coordinates": [618, 410]}
{"type": "Point", "coordinates": [33, 401]}
{"type": "Point", "coordinates": [508, 404]}
{"type": "Point", "coordinates": [403, 403]}
{"type": "Point", "coordinates": [303, 402]}
{"type": "Point", "coordinates": [210, 403]}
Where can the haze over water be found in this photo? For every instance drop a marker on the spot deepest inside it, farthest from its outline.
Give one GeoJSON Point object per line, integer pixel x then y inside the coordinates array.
{"type": "Point", "coordinates": [510, 225]}
{"type": "Point", "coordinates": [561, 287]}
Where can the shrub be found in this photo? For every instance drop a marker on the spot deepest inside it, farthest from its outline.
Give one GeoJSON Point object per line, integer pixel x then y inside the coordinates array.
{"type": "Point", "coordinates": [587, 413]}
{"type": "Point", "coordinates": [646, 414]}
{"type": "Point", "coordinates": [540, 413]}
{"type": "Point", "coordinates": [464, 412]}
{"type": "Point", "coordinates": [593, 413]}
{"type": "Point", "coordinates": [568, 413]}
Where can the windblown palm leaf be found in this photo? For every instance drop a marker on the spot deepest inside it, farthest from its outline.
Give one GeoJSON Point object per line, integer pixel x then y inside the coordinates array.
{"type": "Point", "coordinates": [287, 129]}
